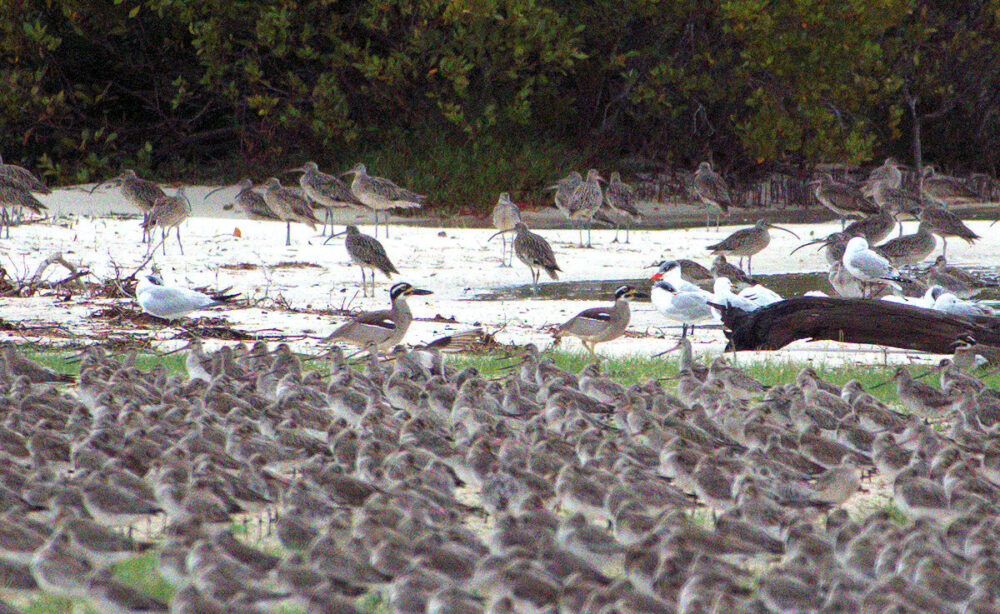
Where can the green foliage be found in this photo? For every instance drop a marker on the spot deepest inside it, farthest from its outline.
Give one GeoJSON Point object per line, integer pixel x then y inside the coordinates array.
{"type": "Point", "coordinates": [182, 88]}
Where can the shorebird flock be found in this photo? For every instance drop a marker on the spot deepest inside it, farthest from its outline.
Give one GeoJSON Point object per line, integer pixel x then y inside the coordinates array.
{"type": "Point", "coordinates": [426, 488]}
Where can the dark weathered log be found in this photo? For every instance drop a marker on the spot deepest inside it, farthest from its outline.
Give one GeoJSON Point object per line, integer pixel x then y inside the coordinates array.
{"type": "Point", "coordinates": [874, 322]}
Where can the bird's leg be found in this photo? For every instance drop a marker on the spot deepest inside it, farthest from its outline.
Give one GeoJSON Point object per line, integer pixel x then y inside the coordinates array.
{"type": "Point", "coordinates": [579, 229]}
{"type": "Point", "coordinates": [944, 247]}
{"type": "Point", "coordinates": [503, 251]}
{"type": "Point", "coordinates": [385, 224]}
{"type": "Point", "coordinates": [288, 233]}
{"type": "Point", "coordinates": [181, 245]}
{"type": "Point", "coordinates": [590, 225]}
{"type": "Point", "coordinates": [534, 281]}
{"type": "Point", "coordinates": [628, 229]}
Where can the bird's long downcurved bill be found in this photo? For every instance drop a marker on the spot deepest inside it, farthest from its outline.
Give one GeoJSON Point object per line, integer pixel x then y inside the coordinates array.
{"type": "Point", "coordinates": [499, 232]}
{"type": "Point", "coordinates": [786, 230]}
{"type": "Point", "coordinates": [664, 352]}
{"type": "Point", "coordinates": [218, 189]}
{"type": "Point", "coordinates": [825, 242]}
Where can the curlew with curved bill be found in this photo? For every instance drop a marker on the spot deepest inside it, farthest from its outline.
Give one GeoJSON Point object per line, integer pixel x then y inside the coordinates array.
{"type": "Point", "coordinates": [325, 190]}
{"type": "Point", "coordinates": [585, 200]}
{"type": "Point", "coordinates": [251, 203]}
{"type": "Point", "coordinates": [505, 216]}
{"type": "Point", "coordinates": [843, 199]}
{"type": "Point", "coordinates": [909, 249]}
{"type": "Point", "coordinates": [534, 251]}
{"type": "Point", "coordinates": [140, 193]}
{"type": "Point", "coordinates": [712, 190]}
{"type": "Point", "coordinates": [15, 196]}
{"type": "Point", "coordinates": [944, 190]}
{"type": "Point", "coordinates": [367, 252]}
{"type": "Point", "coordinates": [21, 176]}
{"type": "Point", "coordinates": [288, 205]}
{"type": "Point", "coordinates": [167, 212]}
{"type": "Point", "coordinates": [747, 242]}
{"type": "Point", "coordinates": [621, 198]}
{"type": "Point", "coordinates": [945, 224]}
{"type": "Point", "coordinates": [381, 195]}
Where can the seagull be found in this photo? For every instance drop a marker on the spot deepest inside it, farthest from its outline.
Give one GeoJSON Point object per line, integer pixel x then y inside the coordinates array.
{"type": "Point", "coordinates": [171, 302]}
{"type": "Point", "coordinates": [867, 266]}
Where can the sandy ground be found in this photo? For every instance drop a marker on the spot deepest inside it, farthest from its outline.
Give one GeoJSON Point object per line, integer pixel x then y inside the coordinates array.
{"type": "Point", "coordinates": [290, 290]}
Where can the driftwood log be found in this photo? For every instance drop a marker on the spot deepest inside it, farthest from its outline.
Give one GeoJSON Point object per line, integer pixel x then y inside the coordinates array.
{"type": "Point", "coordinates": [874, 322]}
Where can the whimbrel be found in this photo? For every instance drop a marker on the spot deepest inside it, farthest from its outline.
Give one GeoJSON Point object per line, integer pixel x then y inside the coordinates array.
{"type": "Point", "coordinates": [381, 195]}
{"type": "Point", "coordinates": [534, 251]}
{"type": "Point", "coordinates": [599, 324]}
{"type": "Point", "coordinates": [167, 212]}
{"type": "Point", "coordinates": [289, 206]}
{"type": "Point", "coordinates": [367, 252]}
{"type": "Point", "coordinates": [15, 196]}
{"type": "Point", "coordinates": [747, 242]}
{"type": "Point", "coordinates": [909, 249]}
{"type": "Point", "coordinates": [140, 193]}
{"type": "Point", "coordinates": [505, 216]}
{"type": "Point", "coordinates": [945, 190]}
{"type": "Point", "coordinates": [843, 199]}
{"type": "Point", "coordinates": [325, 190]}
{"type": "Point", "coordinates": [945, 224]}
{"type": "Point", "coordinates": [251, 203]}
{"type": "Point", "coordinates": [712, 190]}
{"type": "Point", "coordinates": [621, 197]}
{"type": "Point", "coordinates": [377, 331]}
{"type": "Point", "coordinates": [585, 200]}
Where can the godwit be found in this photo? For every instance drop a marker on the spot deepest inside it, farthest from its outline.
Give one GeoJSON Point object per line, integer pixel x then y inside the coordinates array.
{"type": "Point", "coordinates": [712, 189]}
{"type": "Point", "coordinates": [534, 251]}
{"type": "Point", "coordinates": [167, 212]}
{"type": "Point", "coordinates": [171, 302]}
{"type": "Point", "coordinates": [380, 194]}
{"type": "Point", "coordinates": [599, 324]}
{"type": "Point", "coordinates": [505, 216]}
{"type": "Point", "coordinates": [251, 203]}
{"type": "Point", "coordinates": [747, 242]}
{"type": "Point", "coordinates": [955, 280]}
{"type": "Point", "coordinates": [15, 196]}
{"type": "Point", "coordinates": [585, 200]}
{"type": "Point", "coordinates": [326, 190]}
{"type": "Point", "coordinates": [140, 193]}
{"type": "Point", "coordinates": [288, 206]}
{"type": "Point", "coordinates": [621, 197]}
{"type": "Point", "coordinates": [367, 252]}
{"type": "Point", "coordinates": [945, 224]}
{"type": "Point", "coordinates": [945, 190]}
{"type": "Point", "coordinates": [377, 331]}
{"type": "Point", "coordinates": [843, 199]}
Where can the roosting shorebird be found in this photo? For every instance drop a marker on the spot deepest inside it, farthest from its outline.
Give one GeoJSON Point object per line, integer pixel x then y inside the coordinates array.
{"type": "Point", "coordinates": [534, 251]}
